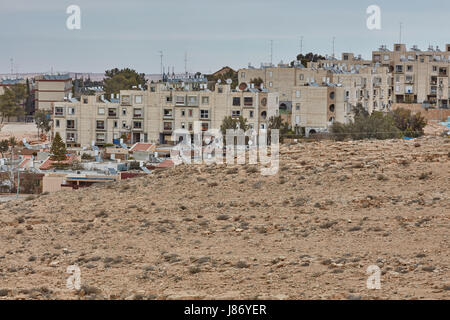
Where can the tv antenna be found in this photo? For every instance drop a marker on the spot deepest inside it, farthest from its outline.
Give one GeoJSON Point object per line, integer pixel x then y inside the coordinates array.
{"type": "Point", "coordinates": [161, 55]}
{"type": "Point", "coordinates": [271, 52]}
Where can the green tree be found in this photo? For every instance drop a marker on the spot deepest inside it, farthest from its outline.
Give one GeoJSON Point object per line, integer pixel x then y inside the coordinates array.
{"type": "Point", "coordinates": [124, 79]}
{"type": "Point", "coordinates": [230, 74]}
{"type": "Point", "coordinates": [4, 146]}
{"type": "Point", "coordinates": [12, 101]}
{"type": "Point", "coordinates": [257, 82]}
{"type": "Point", "coordinates": [233, 123]}
{"type": "Point", "coordinates": [377, 125]}
{"type": "Point", "coordinates": [309, 57]}
{"type": "Point", "coordinates": [58, 149]}
{"type": "Point", "coordinates": [276, 122]}
{"type": "Point", "coordinates": [411, 125]}
{"type": "Point", "coordinates": [43, 120]}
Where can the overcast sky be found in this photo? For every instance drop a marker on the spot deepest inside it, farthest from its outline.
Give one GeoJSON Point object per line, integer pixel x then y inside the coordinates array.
{"type": "Point", "coordinates": [232, 32]}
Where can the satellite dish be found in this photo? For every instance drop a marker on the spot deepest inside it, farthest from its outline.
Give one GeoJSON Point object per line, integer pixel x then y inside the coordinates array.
{"type": "Point", "coordinates": [243, 86]}
{"type": "Point", "coordinates": [229, 81]}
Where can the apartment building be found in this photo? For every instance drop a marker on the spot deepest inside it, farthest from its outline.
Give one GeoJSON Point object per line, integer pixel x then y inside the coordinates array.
{"type": "Point", "coordinates": [305, 93]}
{"type": "Point", "coordinates": [153, 115]}
{"type": "Point", "coordinates": [50, 89]}
{"type": "Point", "coordinates": [418, 76]}
{"type": "Point", "coordinates": [316, 107]}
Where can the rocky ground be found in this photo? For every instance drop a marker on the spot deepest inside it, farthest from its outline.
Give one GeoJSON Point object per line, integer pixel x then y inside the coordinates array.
{"type": "Point", "coordinates": [198, 232]}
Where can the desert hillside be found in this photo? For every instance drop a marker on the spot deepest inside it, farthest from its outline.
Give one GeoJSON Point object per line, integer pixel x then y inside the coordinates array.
{"type": "Point", "coordinates": [227, 232]}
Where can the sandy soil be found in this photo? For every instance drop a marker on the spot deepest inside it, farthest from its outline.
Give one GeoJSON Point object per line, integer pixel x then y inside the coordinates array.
{"type": "Point", "coordinates": [19, 131]}
{"type": "Point", "coordinates": [198, 232]}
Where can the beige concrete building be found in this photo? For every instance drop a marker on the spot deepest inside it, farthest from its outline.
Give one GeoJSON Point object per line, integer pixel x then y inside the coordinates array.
{"type": "Point", "coordinates": [153, 115]}
{"type": "Point", "coordinates": [418, 76]}
{"type": "Point", "coordinates": [50, 89]}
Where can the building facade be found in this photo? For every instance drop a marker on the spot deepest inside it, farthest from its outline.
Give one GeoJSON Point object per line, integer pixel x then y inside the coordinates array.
{"type": "Point", "coordinates": [153, 115]}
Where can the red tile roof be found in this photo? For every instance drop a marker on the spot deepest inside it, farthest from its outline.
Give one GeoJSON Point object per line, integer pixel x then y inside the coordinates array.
{"type": "Point", "coordinates": [142, 147]}
{"type": "Point", "coordinates": [165, 164]}
{"type": "Point", "coordinates": [48, 164]}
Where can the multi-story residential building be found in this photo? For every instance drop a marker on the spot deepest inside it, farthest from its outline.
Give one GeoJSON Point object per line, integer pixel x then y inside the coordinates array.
{"type": "Point", "coordinates": [318, 106]}
{"type": "Point", "coordinates": [153, 115]}
{"type": "Point", "coordinates": [418, 76]}
{"type": "Point", "coordinates": [50, 89]}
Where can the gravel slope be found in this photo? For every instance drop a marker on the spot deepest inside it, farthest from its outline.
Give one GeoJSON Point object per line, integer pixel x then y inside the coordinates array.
{"type": "Point", "coordinates": [217, 232]}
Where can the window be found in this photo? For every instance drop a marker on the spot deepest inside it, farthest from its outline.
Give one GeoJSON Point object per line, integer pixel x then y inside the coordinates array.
{"type": "Point", "coordinates": [168, 113]}
{"type": "Point", "coordinates": [167, 126]}
{"type": "Point", "coordinates": [71, 137]}
{"type": "Point", "coordinates": [59, 111]}
{"type": "Point", "coordinates": [100, 137]}
{"type": "Point", "coordinates": [124, 125]}
{"type": "Point", "coordinates": [204, 114]}
{"type": "Point", "coordinates": [270, 74]}
{"type": "Point", "coordinates": [138, 99]}
{"type": "Point", "coordinates": [332, 108]}
{"type": "Point", "coordinates": [264, 102]}
{"type": "Point", "coordinates": [100, 124]}
{"type": "Point", "coordinates": [101, 111]}
{"type": "Point", "coordinates": [434, 68]}
{"type": "Point", "coordinates": [85, 100]}
{"type": "Point", "coordinates": [332, 95]}
{"type": "Point", "coordinates": [71, 110]}
{"type": "Point", "coordinates": [220, 90]}
{"type": "Point", "coordinates": [180, 100]}
{"type": "Point", "coordinates": [251, 113]}
{"type": "Point", "coordinates": [236, 113]}
{"type": "Point", "coordinates": [137, 124]}
{"type": "Point", "coordinates": [115, 124]}
{"type": "Point", "coordinates": [190, 126]}
{"type": "Point", "coordinates": [242, 75]}
{"type": "Point", "coordinates": [205, 126]}
{"type": "Point", "coordinates": [297, 107]}
{"type": "Point", "coordinates": [270, 84]}
{"type": "Point", "coordinates": [297, 93]}
{"type": "Point", "coordinates": [70, 124]}
{"type": "Point", "coordinates": [112, 112]}
{"type": "Point", "coordinates": [137, 113]}
{"type": "Point", "coordinates": [57, 123]}
{"type": "Point", "coordinates": [183, 125]}
{"type": "Point", "coordinates": [126, 101]}
{"type": "Point", "coordinates": [153, 89]}
{"type": "Point", "coordinates": [409, 68]}
{"type": "Point", "coordinates": [248, 101]}
{"type": "Point", "coordinates": [205, 100]}
{"type": "Point", "coordinates": [302, 76]}
{"type": "Point", "coordinates": [190, 113]}
{"type": "Point", "coordinates": [124, 111]}
{"type": "Point", "coordinates": [192, 101]}
{"type": "Point", "coordinates": [236, 101]}
{"type": "Point", "coordinates": [399, 68]}
{"type": "Point", "coordinates": [183, 113]}
{"type": "Point", "coordinates": [168, 98]}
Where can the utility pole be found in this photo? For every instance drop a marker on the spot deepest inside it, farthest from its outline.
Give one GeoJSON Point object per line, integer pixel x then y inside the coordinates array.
{"type": "Point", "coordinates": [185, 63]}
{"type": "Point", "coordinates": [271, 52]}
{"type": "Point", "coordinates": [334, 38]}
{"type": "Point", "coordinates": [301, 44]}
{"type": "Point", "coordinates": [161, 56]}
